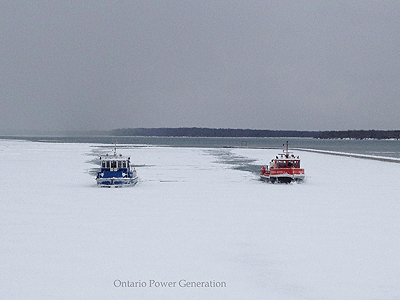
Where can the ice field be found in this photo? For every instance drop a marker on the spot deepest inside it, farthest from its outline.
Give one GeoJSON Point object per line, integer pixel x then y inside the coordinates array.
{"type": "Point", "coordinates": [196, 215]}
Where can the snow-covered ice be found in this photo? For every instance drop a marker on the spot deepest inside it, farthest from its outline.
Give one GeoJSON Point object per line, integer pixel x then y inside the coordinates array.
{"type": "Point", "coordinates": [195, 217]}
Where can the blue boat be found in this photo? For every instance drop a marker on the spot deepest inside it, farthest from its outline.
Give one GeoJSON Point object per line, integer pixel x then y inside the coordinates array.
{"type": "Point", "coordinates": [116, 171]}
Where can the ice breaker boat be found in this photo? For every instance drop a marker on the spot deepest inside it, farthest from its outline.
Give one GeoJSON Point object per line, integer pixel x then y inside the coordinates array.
{"type": "Point", "coordinates": [116, 171]}
{"type": "Point", "coordinates": [285, 168]}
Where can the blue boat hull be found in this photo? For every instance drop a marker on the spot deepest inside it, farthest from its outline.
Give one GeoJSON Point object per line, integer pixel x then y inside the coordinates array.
{"type": "Point", "coordinates": [116, 182]}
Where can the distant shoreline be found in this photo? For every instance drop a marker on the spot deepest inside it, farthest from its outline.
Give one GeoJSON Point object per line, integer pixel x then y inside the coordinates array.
{"type": "Point", "coordinates": [223, 132]}
{"type": "Point", "coordinates": [219, 133]}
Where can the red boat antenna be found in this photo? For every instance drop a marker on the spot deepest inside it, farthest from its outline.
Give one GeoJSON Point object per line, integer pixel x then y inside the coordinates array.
{"type": "Point", "coordinates": [287, 148]}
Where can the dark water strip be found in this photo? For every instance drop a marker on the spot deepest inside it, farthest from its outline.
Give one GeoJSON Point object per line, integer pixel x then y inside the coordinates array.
{"type": "Point", "coordinates": [386, 159]}
{"type": "Point", "coordinates": [370, 148]}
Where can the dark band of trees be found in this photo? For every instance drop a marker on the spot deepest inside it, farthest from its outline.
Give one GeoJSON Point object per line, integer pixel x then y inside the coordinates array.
{"type": "Point", "coordinates": [223, 132]}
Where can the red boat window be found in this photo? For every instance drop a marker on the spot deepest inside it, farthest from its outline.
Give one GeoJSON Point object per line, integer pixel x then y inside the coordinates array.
{"type": "Point", "coordinates": [281, 163]}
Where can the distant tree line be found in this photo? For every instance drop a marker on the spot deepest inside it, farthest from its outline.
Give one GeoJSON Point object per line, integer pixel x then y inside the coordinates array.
{"type": "Point", "coordinates": [360, 134]}
{"type": "Point", "coordinates": [226, 132]}
{"type": "Point", "coordinates": [211, 132]}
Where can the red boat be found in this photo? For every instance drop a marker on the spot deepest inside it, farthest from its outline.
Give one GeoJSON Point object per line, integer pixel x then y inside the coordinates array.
{"type": "Point", "coordinates": [285, 168]}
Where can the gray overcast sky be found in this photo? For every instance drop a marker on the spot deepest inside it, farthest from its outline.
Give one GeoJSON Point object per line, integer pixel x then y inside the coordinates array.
{"type": "Point", "coordinates": [262, 64]}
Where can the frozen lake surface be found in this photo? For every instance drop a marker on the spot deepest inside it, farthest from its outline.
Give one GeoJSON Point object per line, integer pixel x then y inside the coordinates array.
{"type": "Point", "coordinates": [198, 215]}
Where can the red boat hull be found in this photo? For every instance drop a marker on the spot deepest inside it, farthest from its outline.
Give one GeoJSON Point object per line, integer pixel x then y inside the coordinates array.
{"type": "Point", "coordinates": [283, 175]}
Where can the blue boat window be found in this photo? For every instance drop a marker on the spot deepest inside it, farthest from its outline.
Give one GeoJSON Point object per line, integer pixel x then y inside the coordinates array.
{"type": "Point", "coordinates": [113, 164]}
{"type": "Point", "coordinates": [119, 164]}
{"type": "Point", "coordinates": [124, 164]}
{"type": "Point", "coordinates": [107, 164]}
{"type": "Point", "coordinates": [103, 164]}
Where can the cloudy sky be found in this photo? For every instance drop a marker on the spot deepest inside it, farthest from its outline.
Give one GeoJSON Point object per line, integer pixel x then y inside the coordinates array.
{"type": "Point", "coordinates": [261, 64]}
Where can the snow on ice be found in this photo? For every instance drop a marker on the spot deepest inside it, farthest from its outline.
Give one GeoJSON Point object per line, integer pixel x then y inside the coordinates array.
{"type": "Point", "coordinates": [195, 219]}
